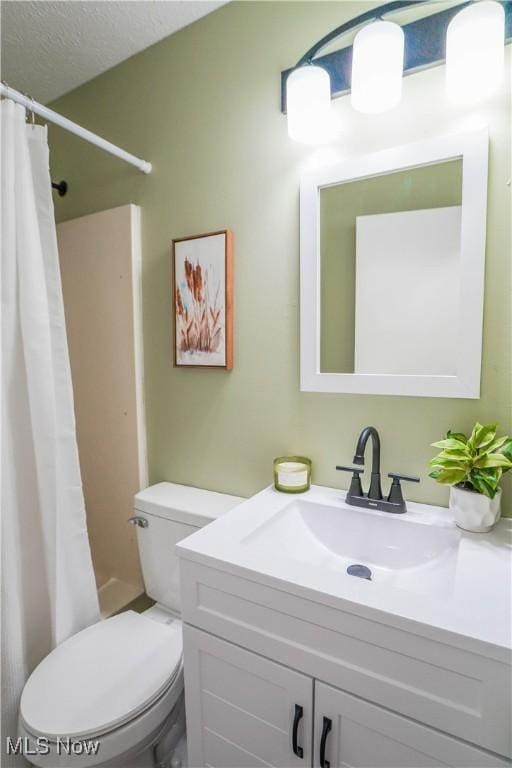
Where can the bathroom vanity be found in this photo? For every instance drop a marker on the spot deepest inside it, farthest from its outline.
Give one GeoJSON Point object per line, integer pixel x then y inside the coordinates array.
{"type": "Point", "coordinates": [291, 661]}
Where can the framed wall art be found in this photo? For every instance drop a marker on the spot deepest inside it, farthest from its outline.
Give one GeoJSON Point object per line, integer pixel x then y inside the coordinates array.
{"type": "Point", "coordinates": [202, 269]}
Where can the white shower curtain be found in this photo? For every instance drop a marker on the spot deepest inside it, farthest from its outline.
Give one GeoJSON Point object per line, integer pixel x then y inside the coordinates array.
{"type": "Point", "coordinates": [48, 587]}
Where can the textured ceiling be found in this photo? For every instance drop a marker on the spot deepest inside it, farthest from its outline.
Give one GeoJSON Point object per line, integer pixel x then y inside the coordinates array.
{"type": "Point", "coordinates": [49, 48]}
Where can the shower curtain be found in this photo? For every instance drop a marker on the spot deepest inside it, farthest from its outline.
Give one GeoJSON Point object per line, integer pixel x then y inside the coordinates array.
{"type": "Point", "coordinates": [48, 586]}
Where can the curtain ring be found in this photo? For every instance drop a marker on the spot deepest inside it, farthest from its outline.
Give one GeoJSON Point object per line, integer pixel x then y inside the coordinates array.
{"type": "Point", "coordinates": [30, 110]}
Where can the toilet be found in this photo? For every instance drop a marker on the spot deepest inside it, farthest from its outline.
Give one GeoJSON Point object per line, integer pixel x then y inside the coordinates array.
{"type": "Point", "coordinates": [113, 693]}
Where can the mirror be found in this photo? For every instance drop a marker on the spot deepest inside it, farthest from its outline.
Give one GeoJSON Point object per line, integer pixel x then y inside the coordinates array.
{"type": "Point", "coordinates": [392, 257]}
{"type": "Point", "coordinates": [391, 243]}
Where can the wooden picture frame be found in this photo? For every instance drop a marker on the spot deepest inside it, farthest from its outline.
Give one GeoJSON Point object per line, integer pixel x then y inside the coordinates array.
{"type": "Point", "coordinates": [202, 285]}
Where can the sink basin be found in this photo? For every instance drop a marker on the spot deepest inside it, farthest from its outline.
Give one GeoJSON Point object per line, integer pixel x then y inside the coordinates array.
{"type": "Point", "coordinates": [423, 568]}
{"type": "Point", "coordinates": [410, 555]}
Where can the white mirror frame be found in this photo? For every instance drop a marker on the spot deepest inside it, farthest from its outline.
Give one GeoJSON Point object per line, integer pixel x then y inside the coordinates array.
{"type": "Point", "coordinates": [472, 148]}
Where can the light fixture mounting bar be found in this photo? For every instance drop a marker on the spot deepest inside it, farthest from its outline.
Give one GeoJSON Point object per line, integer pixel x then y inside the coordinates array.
{"type": "Point", "coordinates": [357, 21]}
{"type": "Point", "coordinates": [425, 44]}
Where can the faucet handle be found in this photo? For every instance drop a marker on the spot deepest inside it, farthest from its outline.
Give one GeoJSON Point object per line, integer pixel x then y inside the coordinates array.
{"type": "Point", "coordinates": [355, 470]}
{"type": "Point", "coordinates": [395, 492]}
{"type": "Point", "coordinates": [356, 489]}
{"type": "Point", "coordinates": [409, 478]}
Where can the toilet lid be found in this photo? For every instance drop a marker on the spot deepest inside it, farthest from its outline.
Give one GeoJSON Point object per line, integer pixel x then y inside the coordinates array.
{"type": "Point", "coordinates": [102, 677]}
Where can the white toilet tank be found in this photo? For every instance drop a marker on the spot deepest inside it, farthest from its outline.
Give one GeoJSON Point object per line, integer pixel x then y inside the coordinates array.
{"type": "Point", "coordinates": [165, 514]}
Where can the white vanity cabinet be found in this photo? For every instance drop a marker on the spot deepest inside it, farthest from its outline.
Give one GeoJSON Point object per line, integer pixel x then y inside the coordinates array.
{"type": "Point", "coordinates": [241, 707]}
{"type": "Point", "coordinates": [410, 670]}
{"type": "Point", "coordinates": [245, 711]}
{"type": "Point", "coordinates": [361, 735]}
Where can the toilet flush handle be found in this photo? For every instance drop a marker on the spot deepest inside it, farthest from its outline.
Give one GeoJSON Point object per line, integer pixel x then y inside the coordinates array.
{"type": "Point", "coordinates": [141, 522]}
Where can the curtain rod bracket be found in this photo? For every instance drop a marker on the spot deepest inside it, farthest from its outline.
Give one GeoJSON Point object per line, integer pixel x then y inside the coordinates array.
{"type": "Point", "coordinates": [61, 187]}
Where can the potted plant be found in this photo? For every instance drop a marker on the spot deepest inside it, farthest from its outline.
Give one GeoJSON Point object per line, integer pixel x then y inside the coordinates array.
{"type": "Point", "coordinates": [473, 466]}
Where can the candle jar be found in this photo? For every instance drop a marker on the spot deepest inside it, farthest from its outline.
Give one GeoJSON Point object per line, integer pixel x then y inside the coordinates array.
{"type": "Point", "coordinates": [292, 474]}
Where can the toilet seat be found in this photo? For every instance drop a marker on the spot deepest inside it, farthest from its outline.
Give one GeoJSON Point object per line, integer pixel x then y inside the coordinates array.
{"type": "Point", "coordinates": [102, 678]}
{"type": "Point", "coordinates": [115, 747]}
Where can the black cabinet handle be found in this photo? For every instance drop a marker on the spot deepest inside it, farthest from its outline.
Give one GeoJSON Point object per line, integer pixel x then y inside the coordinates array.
{"type": "Point", "coordinates": [296, 720]}
{"type": "Point", "coordinates": [323, 741]}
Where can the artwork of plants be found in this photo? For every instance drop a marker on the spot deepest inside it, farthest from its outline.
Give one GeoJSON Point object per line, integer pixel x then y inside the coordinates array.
{"type": "Point", "coordinates": [202, 267]}
{"type": "Point", "coordinates": [199, 320]}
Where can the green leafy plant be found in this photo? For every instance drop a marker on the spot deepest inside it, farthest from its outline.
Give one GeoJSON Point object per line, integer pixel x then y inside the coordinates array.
{"type": "Point", "coordinates": [475, 463]}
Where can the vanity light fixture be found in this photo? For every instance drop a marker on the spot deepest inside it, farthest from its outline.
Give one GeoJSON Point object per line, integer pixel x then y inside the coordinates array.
{"type": "Point", "coordinates": [475, 52]}
{"type": "Point", "coordinates": [468, 36]}
{"type": "Point", "coordinates": [377, 67]}
{"type": "Point", "coordinates": [309, 105]}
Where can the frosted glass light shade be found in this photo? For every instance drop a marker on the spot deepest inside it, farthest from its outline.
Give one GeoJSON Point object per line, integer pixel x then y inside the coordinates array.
{"type": "Point", "coordinates": [475, 52]}
{"type": "Point", "coordinates": [308, 105]}
{"type": "Point", "coordinates": [377, 67]}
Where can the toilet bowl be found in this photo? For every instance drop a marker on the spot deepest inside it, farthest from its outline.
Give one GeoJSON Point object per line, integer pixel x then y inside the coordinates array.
{"type": "Point", "coordinates": [112, 695]}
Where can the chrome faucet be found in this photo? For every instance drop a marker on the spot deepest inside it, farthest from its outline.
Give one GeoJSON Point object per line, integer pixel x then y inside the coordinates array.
{"type": "Point", "coordinates": [374, 499]}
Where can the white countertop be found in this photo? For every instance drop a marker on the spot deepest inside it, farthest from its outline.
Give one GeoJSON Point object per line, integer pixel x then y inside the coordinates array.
{"type": "Point", "coordinates": [475, 611]}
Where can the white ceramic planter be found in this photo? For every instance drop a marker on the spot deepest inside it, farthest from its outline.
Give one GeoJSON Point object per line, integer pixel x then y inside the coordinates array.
{"type": "Point", "coordinates": [473, 511]}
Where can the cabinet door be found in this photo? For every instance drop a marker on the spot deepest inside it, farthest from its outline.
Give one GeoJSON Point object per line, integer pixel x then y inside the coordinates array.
{"type": "Point", "coordinates": [351, 733]}
{"type": "Point", "coordinates": [243, 710]}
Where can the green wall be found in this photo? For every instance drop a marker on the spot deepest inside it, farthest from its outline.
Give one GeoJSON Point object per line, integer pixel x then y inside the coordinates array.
{"type": "Point", "coordinates": [203, 107]}
{"type": "Point", "coordinates": [431, 186]}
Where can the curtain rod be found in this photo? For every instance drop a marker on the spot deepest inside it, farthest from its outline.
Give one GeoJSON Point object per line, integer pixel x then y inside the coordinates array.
{"type": "Point", "coordinates": [68, 125]}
